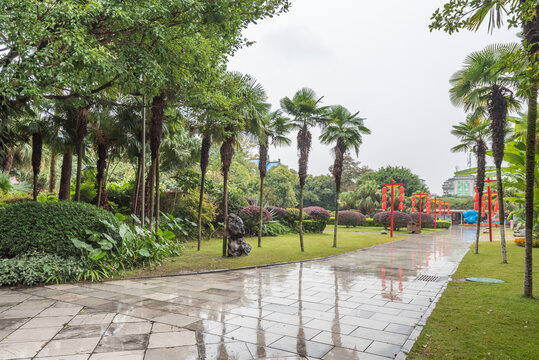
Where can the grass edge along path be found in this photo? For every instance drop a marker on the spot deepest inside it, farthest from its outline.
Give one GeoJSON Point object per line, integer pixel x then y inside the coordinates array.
{"type": "Point", "coordinates": [484, 321]}
{"type": "Point", "coordinates": [277, 249]}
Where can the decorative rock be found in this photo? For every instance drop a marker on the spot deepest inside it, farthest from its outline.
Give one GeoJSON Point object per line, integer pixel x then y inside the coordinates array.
{"type": "Point", "coordinates": [383, 232]}
{"type": "Point", "coordinates": [237, 246]}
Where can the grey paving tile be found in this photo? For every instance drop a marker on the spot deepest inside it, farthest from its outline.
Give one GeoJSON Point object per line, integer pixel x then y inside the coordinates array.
{"type": "Point", "coordinates": [172, 339]}
{"type": "Point", "coordinates": [176, 353]}
{"type": "Point", "coordinates": [32, 335]}
{"type": "Point", "coordinates": [69, 347]}
{"type": "Point", "coordinates": [119, 355]}
{"type": "Point", "coordinates": [225, 351]}
{"type": "Point", "coordinates": [122, 343]}
{"type": "Point", "coordinates": [44, 322]}
{"type": "Point", "coordinates": [19, 351]}
{"type": "Point", "coordinates": [383, 349]}
{"type": "Point", "coordinates": [81, 331]}
{"type": "Point", "coordinates": [301, 347]}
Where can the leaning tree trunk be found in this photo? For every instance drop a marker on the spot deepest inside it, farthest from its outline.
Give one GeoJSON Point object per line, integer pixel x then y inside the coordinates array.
{"type": "Point", "coordinates": [531, 37]}
{"type": "Point", "coordinates": [82, 131]}
{"type": "Point", "coordinates": [8, 162]}
{"type": "Point", "coordinates": [480, 152]}
{"type": "Point", "coordinates": [52, 173]}
{"type": "Point", "coordinates": [204, 160]}
{"type": "Point", "coordinates": [262, 164]}
{"type": "Point", "coordinates": [337, 173]}
{"type": "Point", "coordinates": [227, 153]}
{"type": "Point", "coordinates": [304, 146]}
{"type": "Point", "coordinates": [37, 148]}
{"type": "Point", "coordinates": [102, 156]}
{"type": "Point", "coordinates": [64, 193]}
{"type": "Point", "coordinates": [497, 108]}
{"type": "Point", "coordinates": [156, 132]}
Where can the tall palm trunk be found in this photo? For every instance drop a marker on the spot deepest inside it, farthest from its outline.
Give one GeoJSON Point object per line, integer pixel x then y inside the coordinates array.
{"type": "Point", "coordinates": [37, 148]}
{"type": "Point", "coordinates": [337, 173]}
{"type": "Point", "coordinates": [531, 36]}
{"type": "Point", "coordinates": [82, 131]}
{"type": "Point", "coordinates": [480, 152]}
{"type": "Point", "coordinates": [52, 173]}
{"type": "Point", "coordinates": [262, 164]}
{"type": "Point", "coordinates": [497, 108]}
{"type": "Point", "coordinates": [64, 193]}
{"type": "Point", "coordinates": [157, 194]}
{"type": "Point", "coordinates": [304, 146]}
{"type": "Point", "coordinates": [8, 162]}
{"type": "Point", "coordinates": [156, 132]}
{"type": "Point", "coordinates": [204, 160]}
{"type": "Point", "coordinates": [227, 153]}
{"type": "Point", "coordinates": [102, 156]}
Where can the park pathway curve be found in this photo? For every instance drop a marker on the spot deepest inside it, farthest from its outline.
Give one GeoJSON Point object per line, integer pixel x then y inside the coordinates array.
{"type": "Point", "coordinates": [366, 304]}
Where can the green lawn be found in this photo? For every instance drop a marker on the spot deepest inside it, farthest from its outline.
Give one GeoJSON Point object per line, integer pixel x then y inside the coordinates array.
{"type": "Point", "coordinates": [375, 229]}
{"type": "Point", "coordinates": [274, 250]}
{"type": "Point", "coordinates": [484, 321]}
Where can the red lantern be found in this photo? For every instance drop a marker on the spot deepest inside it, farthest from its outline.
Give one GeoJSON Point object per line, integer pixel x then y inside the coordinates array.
{"type": "Point", "coordinates": [427, 199]}
{"type": "Point", "coordinates": [384, 206]}
{"type": "Point", "coordinates": [384, 190]}
{"type": "Point", "coordinates": [384, 198]}
{"type": "Point", "coordinates": [401, 206]}
{"type": "Point", "coordinates": [401, 190]}
{"type": "Point", "coordinates": [476, 206]}
{"type": "Point", "coordinates": [476, 197]}
{"type": "Point", "coordinates": [401, 198]}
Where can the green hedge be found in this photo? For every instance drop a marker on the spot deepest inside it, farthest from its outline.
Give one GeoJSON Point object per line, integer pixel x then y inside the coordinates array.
{"type": "Point", "coordinates": [311, 226]}
{"type": "Point", "coordinates": [369, 222]}
{"type": "Point", "coordinates": [442, 224]}
{"type": "Point", "coordinates": [49, 226]}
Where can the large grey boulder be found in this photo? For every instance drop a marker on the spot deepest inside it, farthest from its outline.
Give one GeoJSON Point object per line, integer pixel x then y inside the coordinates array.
{"type": "Point", "coordinates": [237, 246]}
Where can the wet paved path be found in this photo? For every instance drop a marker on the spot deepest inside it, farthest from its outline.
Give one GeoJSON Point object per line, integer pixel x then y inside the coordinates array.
{"type": "Point", "coordinates": [368, 304]}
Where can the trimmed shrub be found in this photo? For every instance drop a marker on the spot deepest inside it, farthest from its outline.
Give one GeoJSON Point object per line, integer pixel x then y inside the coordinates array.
{"type": "Point", "coordinates": [400, 219]}
{"type": "Point", "coordinates": [441, 224]}
{"type": "Point", "coordinates": [38, 268]}
{"type": "Point", "coordinates": [311, 226]}
{"type": "Point", "coordinates": [427, 221]}
{"type": "Point", "coordinates": [278, 213]}
{"type": "Point", "coordinates": [369, 222]}
{"type": "Point", "coordinates": [49, 226]}
{"type": "Point", "coordinates": [293, 215]}
{"type": "Point", "coordinates": [250, 216]}
{"type": "Point", "coordinates": [317, 213]}
{"type": "Point", "coordinates": [351, 218]}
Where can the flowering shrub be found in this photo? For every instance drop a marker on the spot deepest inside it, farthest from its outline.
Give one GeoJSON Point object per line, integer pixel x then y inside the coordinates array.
{"type": "Point", "coordinates": [400, 219]}
{"type": "Point", "coordinates": [522, 242]}
{"type": "Point", "coordinates": [250, 200]}
{"type": "Point", "coordinates": [351, 218]}
{"type": "Point", "coordinates": [317, 213]}
{"type": "Point", "coordinates": [250, 216]}
{"type": "Point", "coordinates": [427, 221]}
{"type": "Point", "coordinates": [278, 213]}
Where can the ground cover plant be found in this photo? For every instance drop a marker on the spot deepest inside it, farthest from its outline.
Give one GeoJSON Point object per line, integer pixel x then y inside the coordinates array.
{"type": "Point", "coordinates": [497, 322]}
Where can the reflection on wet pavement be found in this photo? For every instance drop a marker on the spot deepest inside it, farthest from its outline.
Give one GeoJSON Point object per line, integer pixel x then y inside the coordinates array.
{"type": "Point", "coordinates": [367, 304]}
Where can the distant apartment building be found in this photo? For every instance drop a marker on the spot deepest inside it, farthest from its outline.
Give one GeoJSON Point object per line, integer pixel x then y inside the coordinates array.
{"type": "Point", "coordinates": [459, 186]}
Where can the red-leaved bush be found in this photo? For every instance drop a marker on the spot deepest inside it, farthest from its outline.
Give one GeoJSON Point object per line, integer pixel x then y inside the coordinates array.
{"type": "Point", "coordinates": [278, 212]}
{"type": "Point", "coordinates": [400, 219]}
{"type": "Point", "coordinates": [317, 213]}
{"type": "Point", "coordinates": [427, 221]}
{"type": "Point", "coordinates": [351, 218]}
{"type": "Point", "coordinates": [250, 216]}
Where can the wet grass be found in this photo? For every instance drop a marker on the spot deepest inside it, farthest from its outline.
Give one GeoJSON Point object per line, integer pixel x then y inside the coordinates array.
{"type": "Point", "coordinates": [484, 321]}
{"type": "Point", "coordinates": [277, 249]}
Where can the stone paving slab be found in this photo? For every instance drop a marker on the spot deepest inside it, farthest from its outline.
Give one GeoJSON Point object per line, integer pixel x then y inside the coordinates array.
{"type": "Point", "coordinates": [367, 304]}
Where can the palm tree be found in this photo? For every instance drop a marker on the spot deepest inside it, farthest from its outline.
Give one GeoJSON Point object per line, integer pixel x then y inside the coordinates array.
{"type": "Point", "coordinates": [306, 112]}
{"type": "Point", "coordinates": [345, 130]}
{"type": "Point", "coordinates": [249, 105]}
{"type": "Point", "coordinates": [276, 127]}
{"type": "Point", "coordinates": [368, 195]}
{"type": "Point", "coordinates": [495, 11]}
{"type": "Point", "coordinates": [473, 135]}
{"type": "Point", "coordinates": [81, 131]}
{"type": "Point", "coordinates": [484, 86]}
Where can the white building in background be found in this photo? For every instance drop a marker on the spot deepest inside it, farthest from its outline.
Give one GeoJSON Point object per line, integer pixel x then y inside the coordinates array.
{"type": "Point", "coordinates": [460, 186]}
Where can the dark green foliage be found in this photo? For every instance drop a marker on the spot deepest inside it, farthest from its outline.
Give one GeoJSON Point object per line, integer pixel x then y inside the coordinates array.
{"type": "Point", "coordinates": [38, 268]}
{"type": "Point", "coordinates": [274, 228]}
{"type": "Point", "coordinates": [400, 219]}
{"type": "Point", "coordinates": [120, 197]}
{"type": "Point", "coordinates": [293, 215]}
{"type": "Point", "coordinates": [318, 191]}
{"type": "Point", "coordinates": [442, 224]}
{"type": "Point", "coordinates": [412, 182]}
{"type": "Point", "coordinates": [311, 226]}
{"type": "Point", "coordinates": [351, 218]}
{"type": "Point", "coordinates": [277, 213]}
{"type": "Point", "coordinates": [369, 222]}
{"type": "Point", "coordinates": [48, 227]}
{"type": "Point", "coordinates": [460, 202]}
{"type": "Point", "coordinates": [427, 221]}
{"type": "Point", "coordinates": [14, 199]}
{"type": "Point", "coordinates": [251, 217]}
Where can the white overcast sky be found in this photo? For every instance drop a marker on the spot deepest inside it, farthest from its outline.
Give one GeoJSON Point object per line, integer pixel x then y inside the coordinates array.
{"type": "Point", "coordinates": [376, 57]}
